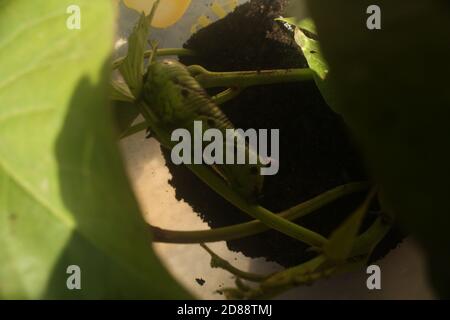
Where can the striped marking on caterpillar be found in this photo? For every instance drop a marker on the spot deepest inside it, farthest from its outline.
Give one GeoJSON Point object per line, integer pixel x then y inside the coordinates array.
{"type": "Point", "coordinates": [177, 100]}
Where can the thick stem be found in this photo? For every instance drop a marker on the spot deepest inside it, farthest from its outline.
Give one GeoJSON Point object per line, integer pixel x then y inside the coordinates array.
{"type": "Point", "coordinates": [267, 217]}
{"type": "Point", "coordinates": [243, 79]}
{"type": "Point", "coordinates": [254, 227]}
{"type": "Point", "coordinates": [218, 185]}
{"type": "Point", "coordinates": [218, 262]}
{"type": "Point", "coordinates": [236, 81]}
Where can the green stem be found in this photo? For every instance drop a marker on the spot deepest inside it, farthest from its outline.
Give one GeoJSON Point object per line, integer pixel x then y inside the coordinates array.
{"type": "Point", "coordinates": [243, 79]}
{"type": "Point", "coordinates": [254, 227]}
{"type": "Point", "coordinates": [281, 281]}
{"type": "Point", "coordinates": [218, 262]}
{"type": "Point", "coordinates": [267, 217]}
{"type": "Point", "coordinates": [206, 174]}
{"type": "Point", "coordinates": [159, 53]}
{"type": "Point", "coordinates": [226, 95]}
{"type": "Point", "coordinates": [317, 268]}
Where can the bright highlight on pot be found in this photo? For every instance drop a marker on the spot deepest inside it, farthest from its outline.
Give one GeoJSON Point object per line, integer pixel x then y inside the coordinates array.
{"type": "Point", "coordinates": [167, 14]}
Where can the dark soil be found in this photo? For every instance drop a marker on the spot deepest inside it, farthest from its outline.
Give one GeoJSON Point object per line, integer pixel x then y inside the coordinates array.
{"type": "Point", "coordinates": [316, 151]}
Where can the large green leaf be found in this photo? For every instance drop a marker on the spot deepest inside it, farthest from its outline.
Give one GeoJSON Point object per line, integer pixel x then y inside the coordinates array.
{"type": "Point", "coordinates": [393, 91]}
{"type": "Point", "coordinates": [64, 196]}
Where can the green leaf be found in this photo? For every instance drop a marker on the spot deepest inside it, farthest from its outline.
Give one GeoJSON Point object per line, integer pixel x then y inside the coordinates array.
{"type": "Point", "coordinates": [313, 54]}
{"type": "Point", "coordinates": [132, 70]}
{"type": "Point", "coordinates": [64, 195]}
{"type": "Point", "coordinates": [120, 92]}
{"type": "Point", "coordinates": [305, 36]}
{"type": "Point", "coordinates": [307, 25]}
{"type": "Point", "coordinates": [132, 67]}
{"type": "Point", "coordinates": [341, 241]}
{"type": "Point", "coordinates": [393, 91]}
{"type": "Point", "coordinates": [291, 20]}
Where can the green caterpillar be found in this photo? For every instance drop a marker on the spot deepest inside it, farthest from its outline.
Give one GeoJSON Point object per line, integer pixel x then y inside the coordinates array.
{"type": "Point", "coordinates": [176, 100]}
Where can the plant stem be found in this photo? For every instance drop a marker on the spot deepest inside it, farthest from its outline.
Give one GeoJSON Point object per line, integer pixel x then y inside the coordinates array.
{"type": "Point", "coordinates": [367, 241]}
{"type": "Point", "coordinates": [254, 227]}
{"type": "Point", "coordinates": [159, 53]}
{"type": "Point", "coordinates": [316, 268]}
{"type": "Point", "coordinates": [243, 79]}
{"type": "Point", "coordinates": [218, 262]}
{"type": "Point", "coordinates": [237, 81]}
{"type": "Point", "coordinates": [281, 281]}
{"type": "Point", "coordinates": [270, 219]}
{"type": "Point", "coordinates": [216, 183]}
{"type": "Point", "coordinates": [226, 95]}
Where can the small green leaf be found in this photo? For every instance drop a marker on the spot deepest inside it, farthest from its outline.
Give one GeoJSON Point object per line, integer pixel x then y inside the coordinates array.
{"type": "Point", "coordinates": [313, 54]}
{"type": "Point", "coordinates": [340, 243]}
{"type": "Point", "coordinates": [132, 67]}
{"type": "Point", "coordinates": [120, 92]}
{"type": "Point", "coordinates": [306, 37]}
{"type": "Point", "coordinates": [307, 25]}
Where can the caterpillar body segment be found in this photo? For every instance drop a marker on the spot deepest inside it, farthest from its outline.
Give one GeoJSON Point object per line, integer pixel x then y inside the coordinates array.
{"type": "Point", "coordinates": [176, 100]}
